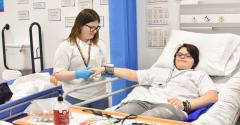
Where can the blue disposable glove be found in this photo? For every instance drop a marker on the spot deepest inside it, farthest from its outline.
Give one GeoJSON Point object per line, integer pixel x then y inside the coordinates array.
{"type": "Point", "coordinates": [83, 73]}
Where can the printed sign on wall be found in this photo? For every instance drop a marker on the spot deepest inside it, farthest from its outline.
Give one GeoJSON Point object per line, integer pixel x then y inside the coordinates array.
{"type": "Point", "coordinates": [54, 14]}
{"type": "Point", "coordinates": [1, 6]}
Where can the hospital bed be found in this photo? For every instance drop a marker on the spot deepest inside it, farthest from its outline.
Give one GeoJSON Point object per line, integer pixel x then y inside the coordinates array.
{"type": "Point", "coordinates": [219, 57]}
{"type": "Point", "coordinates": [14, 109]}
{"type": "Point", "coordinates": [213, 18]}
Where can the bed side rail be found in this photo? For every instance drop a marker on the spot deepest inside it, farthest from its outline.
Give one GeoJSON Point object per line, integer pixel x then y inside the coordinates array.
{"type": "Point", "coordinates": [107, 80]}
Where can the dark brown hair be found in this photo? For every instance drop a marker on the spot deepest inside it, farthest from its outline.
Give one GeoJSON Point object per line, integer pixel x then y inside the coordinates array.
{"type": "Point", "coordinates": [192, 50]}
{"type": "Point", "coordinates": [84, 17]}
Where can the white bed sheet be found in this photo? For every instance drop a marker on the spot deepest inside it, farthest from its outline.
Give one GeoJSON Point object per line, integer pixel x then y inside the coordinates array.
{"type": "Point", "coordinates": [35, 83]}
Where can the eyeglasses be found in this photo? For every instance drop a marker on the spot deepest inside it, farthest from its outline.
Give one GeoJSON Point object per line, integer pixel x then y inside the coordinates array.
{"type": "Point", "coordinates": [93, 28]}
{"type": "Point", "coordinates": [116, 120]}
{"type": "Point", "coordinates": [179, 55]}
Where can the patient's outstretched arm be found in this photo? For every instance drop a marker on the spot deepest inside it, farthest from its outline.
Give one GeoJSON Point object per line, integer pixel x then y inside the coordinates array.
{"type": "Point", "coordinates": [123, 73]}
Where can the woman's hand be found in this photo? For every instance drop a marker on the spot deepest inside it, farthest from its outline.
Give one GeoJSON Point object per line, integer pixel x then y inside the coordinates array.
{"type": "Point", "coordinates": [53, 80]}
{"type": "Point", "coordinates": [97, 71]}
{"type": "Point", "coordinates": [177, 103]}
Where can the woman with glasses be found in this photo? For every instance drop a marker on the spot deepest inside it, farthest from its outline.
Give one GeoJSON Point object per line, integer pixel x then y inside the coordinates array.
{"type": "Point", "coordinates": [167, 92]}
{"type": "Point", "coordinates": [81, 50]}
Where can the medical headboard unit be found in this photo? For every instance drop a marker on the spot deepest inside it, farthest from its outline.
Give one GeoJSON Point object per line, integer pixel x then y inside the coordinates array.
{"type": "Point", "coordinates": [210, 18]}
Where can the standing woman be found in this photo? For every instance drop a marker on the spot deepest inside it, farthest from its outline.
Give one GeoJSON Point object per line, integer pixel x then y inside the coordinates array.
{"type": "Point", "coordinates": [82, 49]}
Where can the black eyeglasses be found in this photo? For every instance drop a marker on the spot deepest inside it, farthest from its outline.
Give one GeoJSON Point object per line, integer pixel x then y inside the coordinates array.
{"type": "Point", "coordinates": [93, 28]}
{"type": "Point", "coordinates": [116, 120]}
{"type": "Point", "coordinates": [179, 55]}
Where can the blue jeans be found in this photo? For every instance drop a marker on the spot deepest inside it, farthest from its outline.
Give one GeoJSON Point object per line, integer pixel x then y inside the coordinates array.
{"type": "Point", "coordinates": [100, 104]}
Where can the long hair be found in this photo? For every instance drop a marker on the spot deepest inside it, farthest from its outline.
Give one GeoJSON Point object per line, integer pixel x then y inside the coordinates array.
{"type": "Point", "coordinates": [192, 50]}
{"type": "Point", "coordinates": [84, 17]}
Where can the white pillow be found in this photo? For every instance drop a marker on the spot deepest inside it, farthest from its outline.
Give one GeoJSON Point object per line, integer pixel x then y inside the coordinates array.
{"type": "Point", "coordinates": [215, 51]}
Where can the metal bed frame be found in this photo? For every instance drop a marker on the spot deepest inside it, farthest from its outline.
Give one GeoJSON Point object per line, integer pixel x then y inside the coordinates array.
{"type": "Point", "coordinates": [107, 80]}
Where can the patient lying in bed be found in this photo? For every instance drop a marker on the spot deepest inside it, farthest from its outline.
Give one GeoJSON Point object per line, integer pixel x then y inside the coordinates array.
{"type": "Point", "coordinates": [167, 92]}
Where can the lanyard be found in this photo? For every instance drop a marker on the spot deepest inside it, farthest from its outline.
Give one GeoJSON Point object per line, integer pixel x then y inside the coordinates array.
{"type": "Point", "coordinates": [86, 62]}
{"type": "Point", "coordinates": [170, 76]}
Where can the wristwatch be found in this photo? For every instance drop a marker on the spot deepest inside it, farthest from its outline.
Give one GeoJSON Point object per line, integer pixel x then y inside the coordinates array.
{"type": "Point", "coordinates": [109, 69]}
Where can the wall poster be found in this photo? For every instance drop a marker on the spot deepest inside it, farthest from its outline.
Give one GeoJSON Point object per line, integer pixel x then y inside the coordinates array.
{"type": "Point", "coordinates": [67, 3]}
{"type": "Point", "coordinates": [22, 1]}
{"type": "Point", "coordinates": [103, 2]}
{"type": "Point", "coordinates": [54, 14]}
{"type": "Point", "coordinates": [83, 4]}
{"type": "Point", "coordinates": [23, 15]}
{"type": "Point", "coordinates": [39, 5]}
{"type": "Point", "coordinates": [157, 13]}
{"type": "Point", "coordinates": [69, 21]}
{"type": "Point", "coordinates": [1, 6]}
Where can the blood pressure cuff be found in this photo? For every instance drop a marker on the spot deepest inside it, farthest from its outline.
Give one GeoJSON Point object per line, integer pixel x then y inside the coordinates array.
{"type": "Point", "coordinates": [5, 93]}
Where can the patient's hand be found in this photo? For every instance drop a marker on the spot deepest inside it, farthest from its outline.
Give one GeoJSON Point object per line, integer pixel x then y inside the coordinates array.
{"type": "Point", "coordinates": [176, 102]}
{"type": "Point", "coordinates": [97, 71]}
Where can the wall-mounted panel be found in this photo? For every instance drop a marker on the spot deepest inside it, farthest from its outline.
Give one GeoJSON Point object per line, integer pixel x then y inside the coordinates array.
{"type": "Point", "coordinates": [211, 18]}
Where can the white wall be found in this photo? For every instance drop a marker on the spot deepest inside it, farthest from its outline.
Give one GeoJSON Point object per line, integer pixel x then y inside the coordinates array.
{"type": "Point", "coordinates": [53, 32]}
